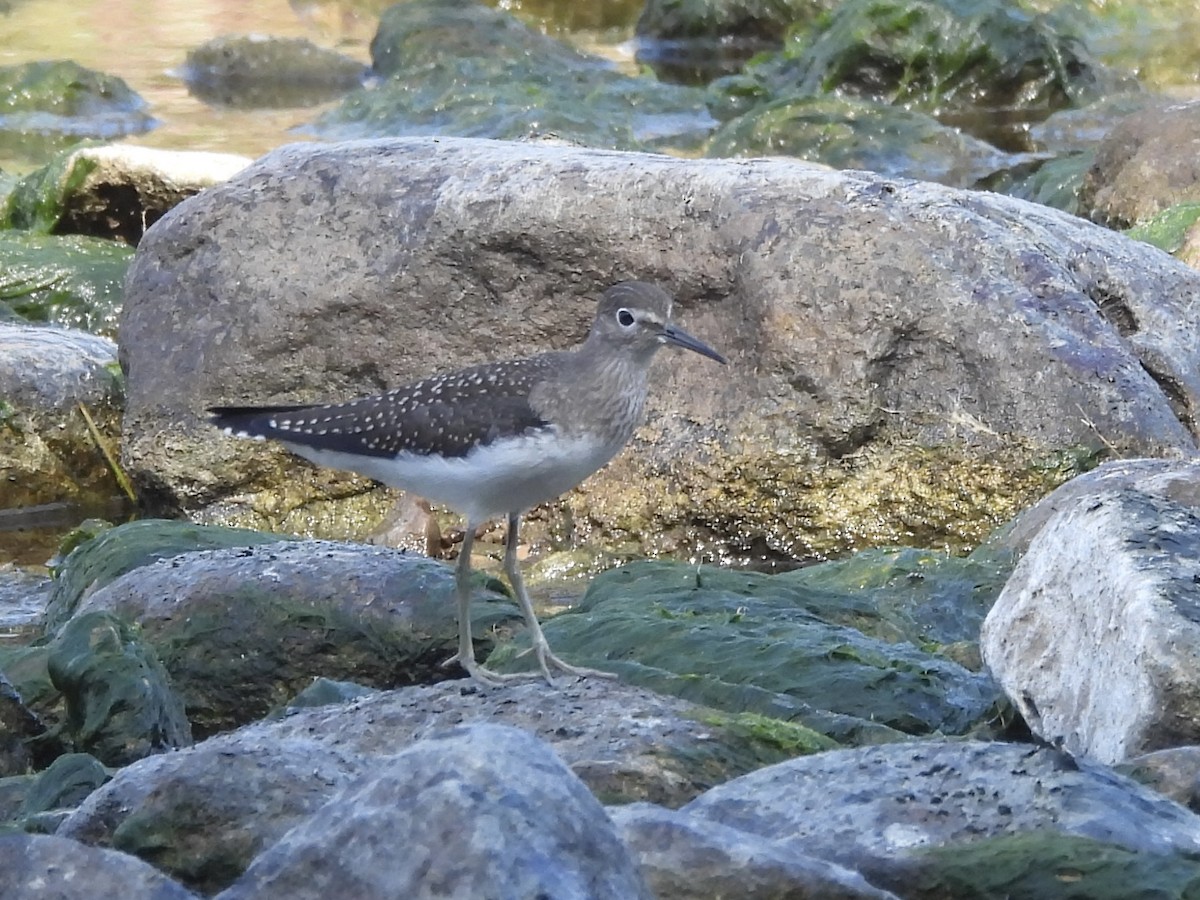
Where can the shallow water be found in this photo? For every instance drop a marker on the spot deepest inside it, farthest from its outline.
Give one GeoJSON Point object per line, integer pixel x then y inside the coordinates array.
{"type": "Point", "coordinates": [146, 42]}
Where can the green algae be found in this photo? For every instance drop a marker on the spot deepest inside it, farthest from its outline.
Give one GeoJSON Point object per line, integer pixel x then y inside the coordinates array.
{"type": "Point", "coordinates": [112, 553]}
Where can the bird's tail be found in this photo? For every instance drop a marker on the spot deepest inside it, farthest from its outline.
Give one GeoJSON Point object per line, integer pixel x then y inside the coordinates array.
{"type": "Point", "coordinates": [249, 421]}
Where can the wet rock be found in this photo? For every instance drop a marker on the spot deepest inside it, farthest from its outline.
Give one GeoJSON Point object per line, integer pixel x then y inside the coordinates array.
{"type": "Point", "coordinates": [205, 812]}
{"type": "Point", "coordinates": [695, 41]}
{"type": "Point", "coordinates": [1095, 635]}
{"type": "Point", "coordinates": [39, 866]}
{"type": "Point", "coordinates": [69, 281]}
{"type": "Point", "coordinates": [239, 629]}
{"type": "Point", "coordinates": [463, 68]}
{"type": "Point", "coordinates": [478, 810]}
{"type": "Point", "coordinates": [1143, 166]}
{"type": "Point", "coordinates": [895, 410]}
{"type": "Point", "coordinates": [947, 796]}
{"type": "Point", "coordinates": [846, 649]}
{"type": "Point", "coordinates": [943, 55]}
{"type": "Point", "coordinates": [858, 134]}
{"type": "Point", "coordinates": [260, 71]}
{"type": "Point", "coordinates": [51, 104]}
{"type": "Point", "coordinates": [684, 857]}
{"type": "Point", "coordinates": [48, 451]}
{"type": "Point", "coordinates": [120, 703]}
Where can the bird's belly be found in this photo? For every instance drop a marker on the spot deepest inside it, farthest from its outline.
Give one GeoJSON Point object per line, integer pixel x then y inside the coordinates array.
{"type": "Point", "coordinates": [502, 477]}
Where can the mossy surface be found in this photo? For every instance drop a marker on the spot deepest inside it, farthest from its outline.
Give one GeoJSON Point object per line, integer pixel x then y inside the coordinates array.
{"type": "Point", "coordinates": [463, 69]}
{"type": "Point", "coordinates": [72, 280]}
{"type": "Point", "coordinates": [112, 553]}
{"type": "Point", "coordinates": [1053, 866]}
{"type": "Point", "coordinates": [784, 648]}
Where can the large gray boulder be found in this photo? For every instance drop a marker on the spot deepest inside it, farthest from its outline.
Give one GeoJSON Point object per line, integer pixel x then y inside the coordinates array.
{"type": "Point", "coordinates": [905, 357]}
{"type": "Point", "coordinates": [898, 813]}
{"type": "Point", "coordinates": [41, 867]}
{"type": "Point", "coordinates": [478, 811]}
{"type": "Point", "coordinates": [1096, 633]}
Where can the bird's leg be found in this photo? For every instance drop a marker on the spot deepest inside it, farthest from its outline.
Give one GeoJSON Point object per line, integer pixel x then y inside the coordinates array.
{"type": "Point", "coordinates": [539, 645]}
{"type": "Point", "coordinates": [465, 656]}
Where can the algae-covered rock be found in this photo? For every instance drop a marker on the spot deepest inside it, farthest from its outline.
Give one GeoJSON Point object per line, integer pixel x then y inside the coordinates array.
{"type": "Point", "coordinates": [113, 191]}
{"type": "Point", "coordinates": [65, 783]}
{"type": "Point", "coordinates": [46, 105]}
{"type": "Point", "coordinates": [1144, 166]}
{"type": "Point", "coordinates": [462, 68]}
{"type": "Point", "coordinates": [1170, 229]}
{"type": "Point", "coordinates": [72, 281]}
{"type": "Point", "coordinates": [259, 71]}
{"type": "Point", "coordinates": [1050, 866]}
{"type": "Point", "coordinates": [787, 646]}
{"type": "Point", "coordinates": [936, 55]}
{"type": "Point", "coordinates": [243, 629]}
{"type": "Point", "coordinates": [120, 702]}
{"type": "Point", "coordinates": [113, 552]}
{"type": "Point", "coordinates": [858, 134]}
{"type": "Point", "coordinates": [909, 361]}
{"type": "Point", "coordinates": [696, 40]}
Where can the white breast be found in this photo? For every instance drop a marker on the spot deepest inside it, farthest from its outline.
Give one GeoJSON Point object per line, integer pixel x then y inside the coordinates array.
{"type": "Point", "coordinates": [502, 477]}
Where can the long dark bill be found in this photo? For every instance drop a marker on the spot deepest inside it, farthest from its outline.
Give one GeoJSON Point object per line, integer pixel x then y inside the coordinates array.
{"type": "Point", "coordinates": [680, 338]}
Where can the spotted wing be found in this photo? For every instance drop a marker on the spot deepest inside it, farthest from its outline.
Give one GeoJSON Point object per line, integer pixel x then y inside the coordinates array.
{"type": "Point", "coordinates": [445, 414]}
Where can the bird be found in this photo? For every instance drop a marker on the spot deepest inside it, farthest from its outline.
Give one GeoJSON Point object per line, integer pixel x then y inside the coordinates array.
{"type": "Point", "coordinates": [494, 439]}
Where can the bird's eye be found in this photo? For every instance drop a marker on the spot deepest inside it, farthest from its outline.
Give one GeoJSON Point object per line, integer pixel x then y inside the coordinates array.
{"type": "Point", "coordinates": [624, 318]}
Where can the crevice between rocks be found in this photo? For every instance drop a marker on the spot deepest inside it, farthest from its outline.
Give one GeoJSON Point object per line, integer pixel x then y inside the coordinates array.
{"type": "Point", "coordinates": [1177, 396]}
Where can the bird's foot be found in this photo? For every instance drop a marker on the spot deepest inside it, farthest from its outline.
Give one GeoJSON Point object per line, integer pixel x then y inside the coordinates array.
{"type": "Point", "coordinates": [486, 676]}
{"type": "Point", "coordinates": [547, 658]}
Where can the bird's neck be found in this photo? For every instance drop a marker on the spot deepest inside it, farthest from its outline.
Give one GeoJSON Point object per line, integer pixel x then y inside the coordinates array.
{"type": "Point", "coordinates": [596, 392]}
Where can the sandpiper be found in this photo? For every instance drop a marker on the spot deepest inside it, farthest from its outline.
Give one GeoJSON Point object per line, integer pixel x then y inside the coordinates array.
{"type": "Point", "coordinates": [494, 439]}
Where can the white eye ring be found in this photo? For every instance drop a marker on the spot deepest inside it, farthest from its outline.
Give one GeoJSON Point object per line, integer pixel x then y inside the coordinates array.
{"type": "Point", "coordinates": [625, 318]}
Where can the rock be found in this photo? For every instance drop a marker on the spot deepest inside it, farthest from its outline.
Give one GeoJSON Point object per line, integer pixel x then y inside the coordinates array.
{"type": "Point", "coordinates": [40, 867]}
{"type": "Point", "coordinates": [1173, 772]}
{"type": "Point", "coordinates": [1094, 638]}
{"type": "Point", "coordinates": [120, 702]}
{"type": "Point", "coordinates": [48, 452]}
{"type": "Point", "coordinates": [887, 402]}
{"type": "Point", "coordinates": [64, 784]}
{"type": "Point", "coordinates": [684, 857]}
{"type": "Point", "coordinates": [66, 280]}
{"type": "Point", "coordinates": [115, 191]}
{"type": "Point", "coordinates": [846, 649]}
{"type": "Point", "coordinates": [104, 557]}
{"type": "Point", "coordinates": [859, 134]}
{"type": "Point", "coordinates": [1143, 166]}
{"type": "Point", "coordinates": [54, 103]}
{"type": "Point", "coordinates": [203, 813]}
{"type": "Point", "coordinates": [1174, 480]}
{"type": "Point", "coordinates": [944, 55]}
{"type": "Point", "coordinates": [18, 726]}
{"type": "Point", "coordinates": [882, 811]}
{"type": "Point", "coordinates": [463, 68]}
{"type": "Point", "coordinates": [239, 629]}
{"type": "Point", "coordinates": [694, 42]}
{"type": "Point", "coordinates": [258, 71]}
{"type": "Point", "coordinates": [481, 810]}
